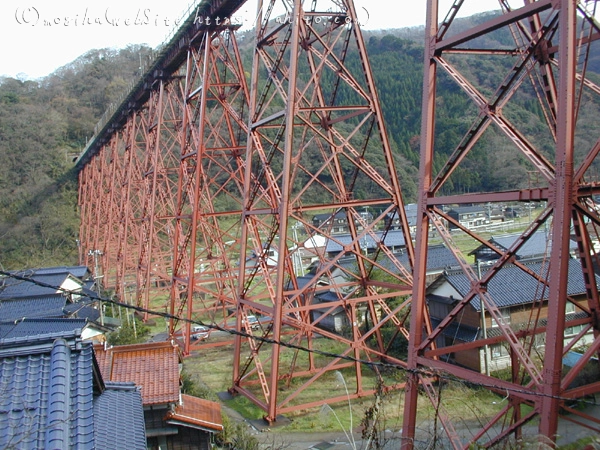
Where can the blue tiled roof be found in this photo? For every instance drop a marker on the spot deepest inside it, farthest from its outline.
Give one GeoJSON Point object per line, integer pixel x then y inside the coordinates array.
{"type": "Point", "coordinates": [14, 288]}
{"type": "Point", "coordinates": [53, 397]}
{"type": "Point", "coordinates": [50, 305]}
{"type": "Point", "coordinates": [47, 395]}
{"type": "Point", "coordinates": [82, 309]}
{"type": "Point", "coordinates": [80, 272]}
{"type": "Point", "coordinates": [411, 214]}
{"type": "Point", "coordinates": [511, 286]}
{"type": "Point", "coordinates": [393, 238]}
{"type": "Point", "coordinates": [41, 327]}
{"type": "Point", "coordinates": [439, 257]}
{"type": "Point", "coordinates": [119, 418]}
{"type": "Point", "coordinates": [537, 244]}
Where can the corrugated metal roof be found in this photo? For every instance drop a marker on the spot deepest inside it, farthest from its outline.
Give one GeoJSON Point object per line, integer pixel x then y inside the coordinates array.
{"type": "Point", "coordinates": [511, 286]}
{"type": "Point", "coordinates": [152, 366]}
{"type": "Point", "coordinates": [119, 408]}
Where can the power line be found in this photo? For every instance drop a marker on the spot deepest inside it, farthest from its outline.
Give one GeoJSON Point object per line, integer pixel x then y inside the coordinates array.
{"type": "Point", "coordinates": [427, 373]}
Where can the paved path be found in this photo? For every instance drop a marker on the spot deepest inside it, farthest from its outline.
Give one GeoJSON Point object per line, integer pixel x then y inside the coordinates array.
{"type": "Point", "coordinates": [271, 439]}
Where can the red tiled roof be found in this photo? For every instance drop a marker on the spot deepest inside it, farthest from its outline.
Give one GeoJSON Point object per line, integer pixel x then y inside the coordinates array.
{"type": "Point", "coordinates": [152, 366]}
{"type": "Point", "coordinates": [197, 412]}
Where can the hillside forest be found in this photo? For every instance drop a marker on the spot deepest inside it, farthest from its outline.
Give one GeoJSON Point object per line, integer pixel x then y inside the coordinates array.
{"type": "Point", "coordinates": [44, 125]}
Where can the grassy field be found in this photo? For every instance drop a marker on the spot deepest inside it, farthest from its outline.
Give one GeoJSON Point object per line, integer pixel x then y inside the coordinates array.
{"type": "Point", "coordinates": [212, 369]}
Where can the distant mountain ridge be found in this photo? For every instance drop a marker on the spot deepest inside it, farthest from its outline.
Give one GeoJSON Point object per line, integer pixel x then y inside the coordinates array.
{"type": "Point", "coordinates": [44, 123]}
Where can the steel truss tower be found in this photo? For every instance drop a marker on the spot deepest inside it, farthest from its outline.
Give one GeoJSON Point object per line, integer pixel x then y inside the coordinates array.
{"type": "Point", "coordinates": [161, 182]}
{"type": "Point", "coordinates": [546, 61]}
{"type": "Point", "coordinates": [317, 146]}
{"type": "Point", "coordinates": [210, 182]}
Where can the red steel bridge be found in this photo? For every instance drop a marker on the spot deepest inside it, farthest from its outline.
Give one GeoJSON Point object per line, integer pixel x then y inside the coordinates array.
{"type": "Point", "coordinates": [198, 193]}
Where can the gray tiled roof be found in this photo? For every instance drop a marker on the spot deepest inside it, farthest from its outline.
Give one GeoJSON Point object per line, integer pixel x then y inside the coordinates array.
{"type": "Point", "coordinates": [393, 238]}
{"type": "Point", "coordinates": [80, 272]}
{"type": "Point", "coordinates": [119, 418]}
{"type": "Point", "coordinates": [50, 305]}
{"type": "Point", "coordinates": [47, 394]}
{"type": "Point", "coordinates": [53, 397]}
{"type": "Point", "coordinates": [82, 309]}
{"type": "Point", "coordinates": [511, 286]}
{"type": "Point", "coordinates": [41, 327]}
{"type": "Point", "coordinates": [537, 244]}
{"type": "Point", "coordinates": [14, 288]}
{"type": "Point", "coordinates": [439, 257]}
{"type": "Point", "coordinates": [468, 209]}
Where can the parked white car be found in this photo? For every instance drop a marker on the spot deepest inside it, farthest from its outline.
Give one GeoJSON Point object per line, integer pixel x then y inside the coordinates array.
{"type": "Point", "coordinates": [200, 332]}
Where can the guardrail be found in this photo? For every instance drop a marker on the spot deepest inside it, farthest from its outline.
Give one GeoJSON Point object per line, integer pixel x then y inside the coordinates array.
{"type": "Point", "coordinates": [146, 70]}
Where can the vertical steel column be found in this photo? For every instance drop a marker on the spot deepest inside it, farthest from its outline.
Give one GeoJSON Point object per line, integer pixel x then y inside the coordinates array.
{"type": "Point", "coordinates": [419, 302]}
{"type": "Point", "coordinates": [563, 190]}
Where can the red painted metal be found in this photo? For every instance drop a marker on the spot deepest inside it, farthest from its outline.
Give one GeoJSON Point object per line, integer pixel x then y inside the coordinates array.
{"type": "Point", "coordinates": [198, 193]}
{"type": "Point", "coordinates": [548, 47]}
{"type": "Point", "coordinates": [316, 130]}
{"type": "Point", "coordinates": [210, 183]}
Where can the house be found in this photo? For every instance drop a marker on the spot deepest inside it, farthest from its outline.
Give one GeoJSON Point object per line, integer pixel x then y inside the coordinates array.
{"type": "Point", "coordinates": [392, 221]}
{"type": "Point", "coordinates": [53, 395]}
{"type": "Point", "coordinates": [40, 284]}
{"type": "Point", "coordinates": [330, 285]}
{"type": "Point", "coordinates": [439, 259]}
{"type": "Point", "coordinates": [172, 420]}
{"type": "Point", "coordinates": [334, 223]}
{"type": "Point", "coordinates": [370, 243]}
{"type": "Point", "coordinates": [514, 293]}
{"type": "Point", "coordinates": [89, 331]}
{"type": "Point", "coordinates": [311, 250]}
{"type": "Point", "coordinates": [56, 306]}
{"type": "Point", "coordinates": [81, 272]}
{"type": "Point", "coordinates": [537, 246]}
{"type": "Point", "coordinates": [269, 255]}
{"type": "Point", "coordinates": [469, 216]}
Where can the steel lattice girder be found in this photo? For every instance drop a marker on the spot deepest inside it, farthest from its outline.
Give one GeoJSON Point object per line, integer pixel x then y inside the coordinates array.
{"type": "Point", "coordinates": [210, 183]}
{"type": "Point", "coordinates": [316, 140]}
{"type": "Point", "coordinates": [547, 45]}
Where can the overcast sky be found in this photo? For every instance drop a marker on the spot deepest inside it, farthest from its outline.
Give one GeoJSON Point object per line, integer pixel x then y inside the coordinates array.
{"type": "Point", "coordinates": [40, 36]}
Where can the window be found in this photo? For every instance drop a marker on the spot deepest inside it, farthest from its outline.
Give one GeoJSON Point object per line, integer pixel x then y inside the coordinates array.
{"type": "Point", "coordinates": [499, 351]}
{"type": "Point", "coordinates": [505, 313]}
{"type": "Point", "coordinates": [572, 331]}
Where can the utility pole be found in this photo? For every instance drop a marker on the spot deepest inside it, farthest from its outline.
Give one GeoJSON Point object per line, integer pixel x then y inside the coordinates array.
{"type": "Point", "coordinates": [483, 327]}
{"type": "Point", "coordinates": [97, 253]}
